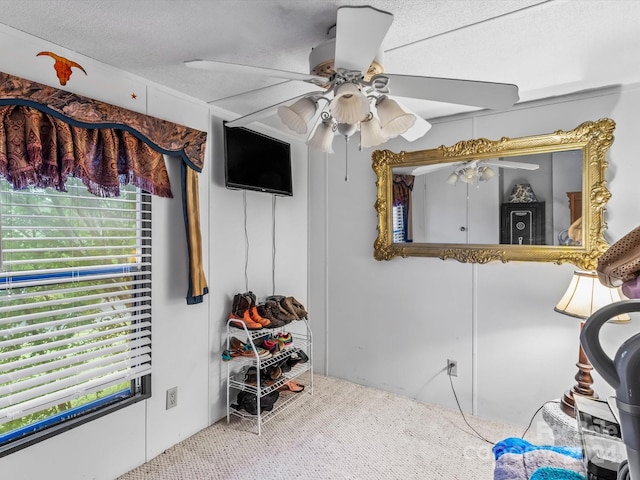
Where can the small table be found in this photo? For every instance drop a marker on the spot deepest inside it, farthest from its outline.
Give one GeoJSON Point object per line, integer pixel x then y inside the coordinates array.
{"type": "Point", "coordinates": [564, 427]}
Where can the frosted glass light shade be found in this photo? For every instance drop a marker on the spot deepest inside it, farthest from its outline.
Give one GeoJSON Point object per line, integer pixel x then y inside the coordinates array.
{"type": "Point", "coordinates": [298, 115]}
{"type": "Point", "coordinates": [486, 173]}
{"type": "Point", "coordinates": [586, 294]}
{"type": "Point", "coordinates": [468, 175]}
{"type": "Point", "coordinates": [394, 120]}
{"type": "Point", "coordinates": [349, 104]}
{"type": "Point", "coordinates": [322, 137]}
{"type": "Point", "coordinates": [452, 179]}
{"type": "Point", "coordinates": [371, 133]}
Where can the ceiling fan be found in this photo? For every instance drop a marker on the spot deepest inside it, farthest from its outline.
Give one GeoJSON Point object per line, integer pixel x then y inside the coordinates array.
{"type": "Point", "coordinates": [472, 171]}
{"type": "Point", "coordinates": [354, 94]}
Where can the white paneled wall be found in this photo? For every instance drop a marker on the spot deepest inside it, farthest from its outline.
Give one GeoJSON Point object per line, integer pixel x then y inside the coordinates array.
{"type": "Point", "coordinates": [187, 338]}
{"type": "Point", "coordinates": [393, 324]}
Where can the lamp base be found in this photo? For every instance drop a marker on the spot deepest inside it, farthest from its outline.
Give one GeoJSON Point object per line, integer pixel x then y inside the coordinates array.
{"type": "Point", "coordinates": [567, 404]}
{"type": "Point", "coordinates": [583, 387]}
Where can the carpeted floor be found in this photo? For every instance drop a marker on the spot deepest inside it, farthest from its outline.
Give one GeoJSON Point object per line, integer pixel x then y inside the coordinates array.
{"type": "Point", "coordinates": [342, 431]}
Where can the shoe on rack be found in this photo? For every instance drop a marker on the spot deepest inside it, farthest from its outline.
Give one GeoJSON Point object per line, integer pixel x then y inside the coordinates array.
{"type": "Point", "coordinates": [272, 345]}
{"type": "Point", "coordinates": [253, 311]}
{"type": "Point", "coordinates": [286, 304]}
{"type": "Point", "coordinates": [298, 308]}
{"type": "Point", "coordinates": [280, 312]}
{"type": "Point", "coordinates": [248, 351]}
{"type": "Point", "coordinates": [265, 312]}
{"type": "Point", "coordinates": [240, 313]}
{"type": "Point", "coordinates": [285, 339]}
{"type": "Point", "coordinates": [292, 386]}
{"type": "Point", "coordinates": [256, 317]}
{"type": "Point", "coordinates": [245, 319]}
{"type": "Point", "coordinates": [236, 344]}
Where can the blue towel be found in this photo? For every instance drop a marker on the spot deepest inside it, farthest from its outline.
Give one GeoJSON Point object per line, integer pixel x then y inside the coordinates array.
{"type": "Point", "coordinates": [517, 459]}
{"type": "Point", "coordinates": [554, 473]}
{"type": "Point", "coordinates": [520, 446]}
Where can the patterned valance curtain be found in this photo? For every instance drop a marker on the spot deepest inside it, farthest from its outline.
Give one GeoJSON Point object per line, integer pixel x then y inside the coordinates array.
{"type": "Point", "coordinates": [402, 188]}
{"type": "Point", "coordinates": [47, 134]}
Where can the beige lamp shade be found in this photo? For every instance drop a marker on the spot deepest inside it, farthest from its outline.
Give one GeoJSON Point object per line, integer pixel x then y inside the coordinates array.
{"type": "Point", "coordinates": [393, 119]}
{"type": "Point", "coordinates": [322, 137]}
{"type": "Point", "coordinates": [349, 104]}
{"type": "Point", "coordinates": [586, 294]}
{"type": "Point", "coordinates": [297, 116]}
{"type": "Point", "coordinates": [371, 133]}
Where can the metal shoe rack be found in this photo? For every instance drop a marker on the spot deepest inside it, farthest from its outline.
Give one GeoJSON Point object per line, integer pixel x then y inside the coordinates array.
{"type": "Point", "coordinates": [238, 366]}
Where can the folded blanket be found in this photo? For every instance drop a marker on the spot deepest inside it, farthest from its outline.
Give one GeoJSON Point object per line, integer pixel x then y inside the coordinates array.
{"type": "Point", "coordinates": [554, 473]}
{"type": "Point", "coordinates": [517, 459]}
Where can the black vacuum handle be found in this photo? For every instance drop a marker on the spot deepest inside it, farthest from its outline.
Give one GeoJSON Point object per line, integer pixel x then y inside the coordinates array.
{"type": "Point", "coordinates": [590, 338]}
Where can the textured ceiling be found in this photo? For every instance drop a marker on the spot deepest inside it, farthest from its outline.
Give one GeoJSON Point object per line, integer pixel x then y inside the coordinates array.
{"type": "Point", "coordinates": [545, 47]}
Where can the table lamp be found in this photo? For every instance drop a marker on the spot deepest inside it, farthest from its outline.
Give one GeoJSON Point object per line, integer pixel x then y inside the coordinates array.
{"type": "Point", "coordinates": [584, 296]}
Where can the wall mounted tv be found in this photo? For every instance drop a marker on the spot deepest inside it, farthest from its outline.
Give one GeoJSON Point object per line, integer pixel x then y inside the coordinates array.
{"type": "Point", "coordinates": [254, 161]}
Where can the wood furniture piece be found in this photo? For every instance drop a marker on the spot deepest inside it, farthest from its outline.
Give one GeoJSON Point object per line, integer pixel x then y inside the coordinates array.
{"type": "Point", "coordinates": [522, 223]}
{"type": "Point", "coordinates": [575, 205]}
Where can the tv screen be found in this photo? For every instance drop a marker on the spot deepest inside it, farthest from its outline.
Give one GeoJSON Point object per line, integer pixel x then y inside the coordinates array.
{"type": "Point", "coordinates": [256, 162]}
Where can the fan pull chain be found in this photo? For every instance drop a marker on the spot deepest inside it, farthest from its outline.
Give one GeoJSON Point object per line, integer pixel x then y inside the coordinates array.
{"type": "Point", "coordinates": [346, 158]}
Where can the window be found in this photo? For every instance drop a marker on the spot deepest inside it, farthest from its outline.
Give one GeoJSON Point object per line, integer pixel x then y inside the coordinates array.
{"type": "Point", "coordinates": [75, 308]}
{"type": "Point", "coordinates": [399, 227]}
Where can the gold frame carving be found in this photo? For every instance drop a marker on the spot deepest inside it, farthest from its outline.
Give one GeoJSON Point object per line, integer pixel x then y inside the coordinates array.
{"type": "Point", "coordinates": [592, 138]}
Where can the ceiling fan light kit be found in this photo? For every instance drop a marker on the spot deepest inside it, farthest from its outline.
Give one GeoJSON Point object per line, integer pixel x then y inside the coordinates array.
{"type": "Point", "coordinates": [349, 70]}
{"type": "Point", "coordinates": [349, 104]}
{"type": "Point", "coordinates": [371, 133]}
{"type": "Point", "coordinates": [299, 114]}
{"type": "Point", "coordinates": [322, 137]}
{"type": "Point", "coordinates": [471, 173]}
{"type": "Point", "coordinates": [393, 119]}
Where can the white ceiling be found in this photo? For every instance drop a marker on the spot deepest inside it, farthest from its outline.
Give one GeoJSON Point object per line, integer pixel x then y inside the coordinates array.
{"type": "Point", "coordinates": [547, 48]}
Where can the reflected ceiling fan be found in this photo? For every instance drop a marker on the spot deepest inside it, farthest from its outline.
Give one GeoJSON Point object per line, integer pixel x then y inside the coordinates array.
{"type": "Point", "coordinates": [473, 171]}
{"type": "Point", "coordinates": [354, 94]}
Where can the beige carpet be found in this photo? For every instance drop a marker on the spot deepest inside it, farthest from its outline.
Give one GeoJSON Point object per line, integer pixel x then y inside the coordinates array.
{"type": "Point", "coordinates": [342, 431]}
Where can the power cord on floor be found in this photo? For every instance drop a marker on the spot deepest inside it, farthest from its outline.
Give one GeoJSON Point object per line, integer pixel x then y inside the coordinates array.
{"type": "Point", "coordinates": [465, 418]}
{"type": "Point", "coordinates": [534, 416]}
{"type": "Point", "coordinates": [479, 435]}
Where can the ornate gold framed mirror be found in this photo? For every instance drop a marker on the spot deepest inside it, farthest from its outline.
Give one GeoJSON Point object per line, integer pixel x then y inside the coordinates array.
{"type": "Point", "coordinates": [540, 198]}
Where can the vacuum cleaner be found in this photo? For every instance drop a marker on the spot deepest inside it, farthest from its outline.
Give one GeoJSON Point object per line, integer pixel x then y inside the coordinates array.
{"type": "Point", "coordinates": [623, 374]}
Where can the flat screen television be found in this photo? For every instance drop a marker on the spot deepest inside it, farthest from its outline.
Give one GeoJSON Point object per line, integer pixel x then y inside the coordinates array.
{"type": "Point", "coordinates": [254, 161]}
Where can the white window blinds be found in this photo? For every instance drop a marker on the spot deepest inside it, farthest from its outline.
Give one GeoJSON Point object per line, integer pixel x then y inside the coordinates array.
{"type": "Point", "coordinates": [75, 295]}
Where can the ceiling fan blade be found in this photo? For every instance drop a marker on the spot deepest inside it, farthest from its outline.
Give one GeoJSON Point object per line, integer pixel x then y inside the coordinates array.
{"type": "Point", "coordinates": [508, 164]}
{"type": "Point", "coordinates": [224, 67]}
{"type": "Point", "coordinates": [462, 92]}
{"type": "Point", "coordinates": [264, 112]}
{"type": "Point", "coordinates": [359, 35]}
{"type": "Point", "coordinates": [419, 129]}
{"type": "Point", "coordinates": [425, 169]}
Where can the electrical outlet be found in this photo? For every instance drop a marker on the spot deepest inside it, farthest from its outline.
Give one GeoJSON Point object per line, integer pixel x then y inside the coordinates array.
{"type": "Point", "coordinates": [452, 368]}
{"type": "Point", "coordinates": [172, 397]}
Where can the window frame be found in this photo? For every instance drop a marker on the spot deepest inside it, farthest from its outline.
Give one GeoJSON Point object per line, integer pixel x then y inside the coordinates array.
{"type": "Point", "coordinates": [139, 388]}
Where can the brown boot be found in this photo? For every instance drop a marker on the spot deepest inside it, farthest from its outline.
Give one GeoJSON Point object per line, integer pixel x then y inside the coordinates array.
{"type": "Point", "coordinates": [253, 311]}
{"type": "Point", "coordinates": [256, 317]}
{"type": "Point", "coordinates": [265, 312]}
{"type": "Point", "coordinates": [298, 308]}
{"type": "Point", "coordinates": [240, 313]}
{"type": "Point", "coordinates": [280, 313]}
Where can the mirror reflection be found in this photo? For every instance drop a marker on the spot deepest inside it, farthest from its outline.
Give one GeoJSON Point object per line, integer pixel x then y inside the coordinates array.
{"type": "Point", "coordinates": [523, 200]}
{"type": "Point", "coordinates": [539, 198]}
